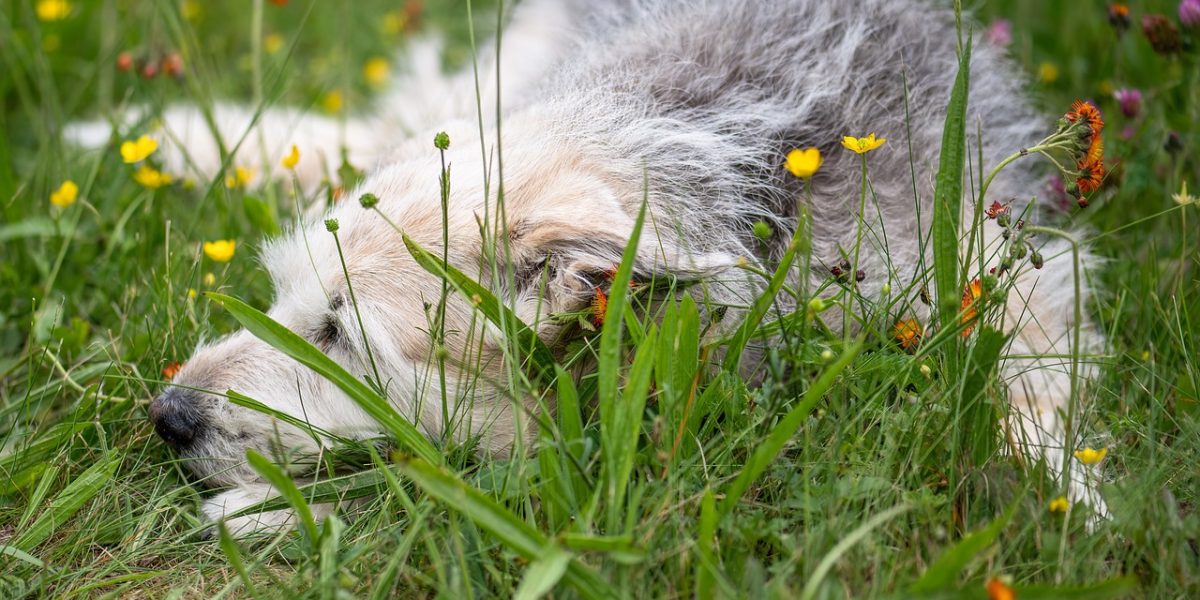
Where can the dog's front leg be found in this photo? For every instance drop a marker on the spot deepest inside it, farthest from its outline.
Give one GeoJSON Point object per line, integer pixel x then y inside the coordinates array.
{"type": "Point", "coordinates": [224, 506]}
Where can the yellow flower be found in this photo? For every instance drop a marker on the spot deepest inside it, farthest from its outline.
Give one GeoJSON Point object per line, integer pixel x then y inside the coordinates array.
{"type": "Point", "coordinates": [395, 22]}
{"type": "Point", "coordinates": [191, 293]}
{"type": "Point", "coordinates": [803, 163]}
{"type": "Point", "coordinates": [220, 250]}
{"type": "Point", "coordinates": [150, 177]}
{"type": "Point", "coordinates": [862, 145]}
{"type": "Point", "coordinates": [1059, 505]}
{"type": "Point", "coordinates": [137, 150]}
{"type": "Point", "coordinates": [65, 195]}
{"type": "Point", "coordinates": [241, 177]}
{"type": "Point", "coordinates": [1091, 456]}
{"type": "Point", "coordinates": [191, 10]}
{"type": "Point", "coordinates": [210, 279]}
{"type": "Point", "coordinates": [908, 332]}
{"type": "Point", "coordinates": [293, 157]}
{"type": "Point", "coordinates": [1047, 72]}
{"type": "Point", "coordinates": [272, 43]}
{"type": "Point", "coordinates": [332, 102]}
{"type": "Point", "coordinates": [375, 71]}
{"type": "Point", "coordinates": [1183, 197]}
{"type": "Point", "coordinates": [53, 10]}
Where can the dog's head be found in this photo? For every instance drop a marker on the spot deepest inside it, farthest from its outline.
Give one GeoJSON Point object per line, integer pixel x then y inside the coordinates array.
{"type": "Point", "coordinates": [364, 301]}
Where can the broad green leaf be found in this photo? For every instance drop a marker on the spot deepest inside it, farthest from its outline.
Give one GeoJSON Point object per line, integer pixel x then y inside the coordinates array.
{"type": "Point", "coordinates": [947, 197]}
{"type": "Point", "coordinates": [69, 501]}
{"type": "Point", "coordinates": [540, 364]}
{"type": "Point", "coordinates": [281, 338]}
{"type": "Point", "coordinates": [517, 534]}
{"type": "Point", "coordinates": [944, 571]}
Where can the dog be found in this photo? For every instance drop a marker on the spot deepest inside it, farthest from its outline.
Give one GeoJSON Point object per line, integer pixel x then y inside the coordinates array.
{"type": "Point", "coordinates": [688, 105]}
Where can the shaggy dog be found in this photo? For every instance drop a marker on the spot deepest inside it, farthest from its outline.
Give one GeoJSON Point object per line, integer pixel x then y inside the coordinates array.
{"type": "Point", "coordinates": [690, 104]}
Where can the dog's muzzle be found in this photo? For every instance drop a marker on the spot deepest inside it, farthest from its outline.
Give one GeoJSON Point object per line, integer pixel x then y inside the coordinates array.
{"type": "Point", "coordinates": [176, 417]}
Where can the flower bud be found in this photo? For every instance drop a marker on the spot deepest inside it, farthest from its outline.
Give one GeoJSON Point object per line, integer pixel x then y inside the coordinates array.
{"type": "Point", "coordinates": [441, 141]}
{"type": "Point", "coordinates": [1035, 259]}
{"type": "Point", "coordinates": [331, 225]}
{"type": "Point", "coordinates": [1161, 33]}
{"type": "Point", "coordinates": [1118, 16]}
{"type": "Point", "coordinates": [368, 200]}
{"type": "Point", "coordinates": [1130, 100]}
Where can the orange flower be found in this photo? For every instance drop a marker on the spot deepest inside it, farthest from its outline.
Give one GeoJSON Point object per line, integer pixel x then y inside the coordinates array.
{"type": "Point", "coordinates": [908, 333]}
{"type": "Point", "coordinates": [171, 370]}
{"type": "Point", "coordinates": [998, 590]}
{"type": "Point", "coordinates": [971, 296]}
{"type": "Point", "coordinates": [1095, 151]}
{"type": "Point", "coordinates": [1088, 113]}
{"type": "Point", "coordinates": [1091, 176]}
{"type": "Point", "coordinates": [599, 307]}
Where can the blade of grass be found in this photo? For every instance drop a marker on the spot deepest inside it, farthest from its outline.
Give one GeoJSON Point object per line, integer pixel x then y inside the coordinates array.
{"type": "Point", "coordinates": [287, 490]}
{"type": "Point", "coordinates": [69, 501]}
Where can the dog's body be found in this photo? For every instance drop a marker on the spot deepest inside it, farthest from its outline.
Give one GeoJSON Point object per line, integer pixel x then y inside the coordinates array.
{"type": "Point", "coordinates": [689, 104]}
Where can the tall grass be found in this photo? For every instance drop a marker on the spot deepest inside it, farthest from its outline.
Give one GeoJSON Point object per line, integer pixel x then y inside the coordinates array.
{"type": "Point", "coordinates": [847, 471]}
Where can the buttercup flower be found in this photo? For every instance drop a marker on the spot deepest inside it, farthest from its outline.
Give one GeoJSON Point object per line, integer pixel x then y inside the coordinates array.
{"type": "Point", "coordinates": [1047, 72]}
{"type": "Point", "coordinates": [1181, 198]}
{"type": "Point", "coordinates": [293, 157]}
{"type": "Point", "coordinates": [272, 43]}
{"type": "Point", "coordinates": [151, 178]}
{"type": "Point", "coordinates": [1189, 13]}
{"type": "Point", "coordinates": [210, 279]}
{"type": "Point", "coordinates": [65, 195]}
{"type": "Point", "coordinates": [133, 151]}
{"type": "Point", "coordinates": [1091, 456]}
{"type": "Point", "coordinates": [970, 298]}
{"type": "Point", "coordinates": [332, 102]}
{"type": "Point", "coordinates": [220, 250]}
{"type": "Point", "coordinates": [862, 145]}
{"type": "Point", "coordinates": [1059, 505]}
{"type": "Point", "coordinates": [53, 10]}
{"type": "Point", "coordinates": [1130, 100]}
{"type": "Point", "coordinates": [908, 333]}
{"type": "Point", "coordinates": [240, 178]}
{"type": "Point", "coordinates": [375, 71]}
{"type": "Point", "coordinates": [803, 163]}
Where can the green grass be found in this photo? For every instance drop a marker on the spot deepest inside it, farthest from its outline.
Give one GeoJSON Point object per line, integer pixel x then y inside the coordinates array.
{"type": "Point", "coordinates": [850, 475]}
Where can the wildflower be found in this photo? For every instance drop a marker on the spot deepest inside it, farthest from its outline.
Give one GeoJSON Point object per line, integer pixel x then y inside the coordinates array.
{"type": "Point", "coordinates": [1059, 505]}
{"type": "Point", "coordinates": [133, 151]}
{"type": "Point", "coordinates": [220, 250]}
{"type": "Point", "coordinates": [191, 293]}
{"type": "Point", "coordinates": [862, 145]}
{"type": "Point", "coordinates": [394, 22]}
{"type": "Point", "coordinates": [1082, 110]}
{"type": "Point", "coordinates": [331, 225]}
{"type": "Point", "coordinates": [279, 2]}
{"type": "Point", "coordinates": [149, 71]}
{"type": "Point", "coordinates": [441, 140]}
{"type": "Point", "coordinates": [332, 102]}
{"type": "Point", "coordinates": [191, 10]}
{"type": "Point", "coordinates": [1182, 198]}
{"type": "Point", "coordinates": [1047, 72]}
{"type": "Point", "coordinates": [124, 62]}
{"type": "Point", "coordinates": [996, 209]}
{"type": "Point", "coordinates": [1091, 176]}
{"type": "Point", "coordinates": [1090, 456]}
{"type": "Point", "coordinates": [272, 43]}
{"type": "Point", "coordinates": [1118, 16]}
{"type": "Point", "coordinates": [66, 194]}
{"type": "Point", "coordinates": [817, 305]}
{"type": "Point", "coordinates": [803, 163]}
{"type": "Point", "coordinates": [1130, 100]}
{"type": "Point", "coordinates": [599, 307]}
{"type": "Point", "coordinates": [1189, 13]}
{"type": "Point", "coordinates": [971, 296]}
{"type": "Point", "coordinates": [240, 178]}
{"type": "Point", "coordinates": [1161, 33]}
{"type": "Point", "coordinates": [1095, 152]}
{"type": "Point", "coordinates": [368, 200]}
{"type": "Point", "coordinates": [172, 64]}
{"type": "Point", "coordinates": [210, 279]}
{"type": "Point", "coordinates": [826, 355]}
{"type": "Point", "coordinates": [53, 10]}
{"type": "Point", "coordinates": [997, 589]}
{"type": "Point", "coordinates": [762, 231]}
{"type": "Point", "coordinates": [293, 157]}
{"type": "Point", "coordinates": [375, 71]}
{"type": "Point", "coordinates": [926, 370]}
{"type": "Point", "coordinates": [908, 333]}
{"type": "Point", "coordinates": [171, 370]}
{"type": "Point", "coordinates": [151, 178]}
{"type": "Point", "coordinates": [999, 33]}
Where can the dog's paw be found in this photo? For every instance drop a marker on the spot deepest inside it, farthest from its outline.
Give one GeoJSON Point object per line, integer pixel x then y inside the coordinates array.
{"type": "Point", "coordinates": [225, 506]}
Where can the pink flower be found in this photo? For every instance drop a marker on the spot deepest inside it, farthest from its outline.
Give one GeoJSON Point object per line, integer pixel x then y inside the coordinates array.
{"type": "Point", "coordinates": [999, 33]}
{"type": "Point", "coordinates": [1130, 100]}
{"type": "Point", "coordinates": [1189, 13]}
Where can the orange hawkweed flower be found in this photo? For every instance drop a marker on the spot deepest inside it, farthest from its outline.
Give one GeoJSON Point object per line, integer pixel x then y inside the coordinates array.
{"type": "Point", "coordinates": [171, 370]}
{"type": "Point", "coordinates": [1088, 113]}
{"type": "Point", "coordinates": [971, 296]}
{"type": "Point", "coordinates": [599, 307]}
{"type": "Point", "coordinates": [1095, 151]}
{"type": "Point", "coordinates": [997, 589]}
{"type": "Point", "coordinates": [908, 333]}
{"type": "Point", "coordinates": [1091, 176]}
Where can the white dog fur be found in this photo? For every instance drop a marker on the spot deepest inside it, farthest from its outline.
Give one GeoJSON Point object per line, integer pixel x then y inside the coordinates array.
{"type": "Point", "coordinates": [696, 101]}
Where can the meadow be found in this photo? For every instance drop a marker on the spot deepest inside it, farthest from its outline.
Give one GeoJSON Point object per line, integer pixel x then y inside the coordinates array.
{"type": "Point", "coordinates": [857, 467]}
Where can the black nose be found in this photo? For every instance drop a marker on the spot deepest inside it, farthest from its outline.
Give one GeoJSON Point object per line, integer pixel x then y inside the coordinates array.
{"type": "Point", "coordinates": [176, 416]}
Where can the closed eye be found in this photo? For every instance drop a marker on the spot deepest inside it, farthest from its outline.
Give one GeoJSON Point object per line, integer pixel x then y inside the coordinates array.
{"type": "Point", "coordinates": [328, 334]}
